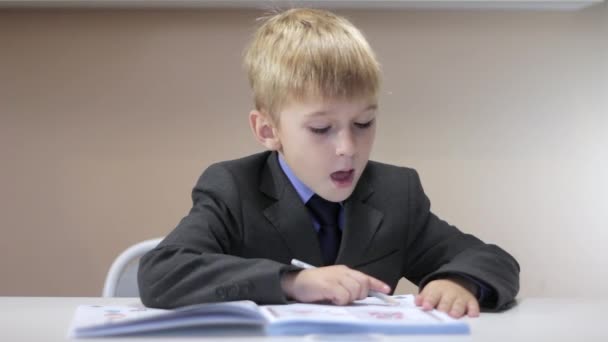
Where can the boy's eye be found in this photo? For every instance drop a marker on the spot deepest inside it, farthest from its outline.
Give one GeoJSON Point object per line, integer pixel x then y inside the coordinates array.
{"type": "Point", "coordinates": [321, 130]}
{"type": "Point", "coordinates": [364, 124]}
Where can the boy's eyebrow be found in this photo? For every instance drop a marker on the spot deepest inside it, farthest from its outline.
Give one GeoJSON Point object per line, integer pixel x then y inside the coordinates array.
{"type": "Point", "coordinates": [373, 106]}
{"type": "Point", "coordinates": [322, 112]}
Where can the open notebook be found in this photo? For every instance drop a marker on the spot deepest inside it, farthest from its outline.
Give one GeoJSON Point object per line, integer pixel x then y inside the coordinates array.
{"type": "Point", "coordinates": [367, 316]}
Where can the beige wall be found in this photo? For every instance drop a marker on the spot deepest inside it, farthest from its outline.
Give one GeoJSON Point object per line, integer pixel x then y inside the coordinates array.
{"type": "Point", "coordinates": [108, 117]}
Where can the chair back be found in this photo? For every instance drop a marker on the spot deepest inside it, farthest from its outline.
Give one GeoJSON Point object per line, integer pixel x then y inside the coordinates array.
{"type": "Point", "coordinates": [121, 280]}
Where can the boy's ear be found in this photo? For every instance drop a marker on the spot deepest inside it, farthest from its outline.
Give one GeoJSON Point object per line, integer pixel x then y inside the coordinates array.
{"type": "Point", "coordinates": [264, 130]}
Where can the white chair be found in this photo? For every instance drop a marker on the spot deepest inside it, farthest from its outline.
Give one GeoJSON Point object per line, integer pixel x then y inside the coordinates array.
{"type": "Point", "coordinates": [121, 280]}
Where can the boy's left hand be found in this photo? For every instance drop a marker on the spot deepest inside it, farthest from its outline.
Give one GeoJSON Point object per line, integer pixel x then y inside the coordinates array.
{"type": "Point", "coordinates": [452, 296]}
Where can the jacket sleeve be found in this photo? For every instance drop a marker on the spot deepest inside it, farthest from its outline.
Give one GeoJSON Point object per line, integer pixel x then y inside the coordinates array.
{"type": "Point", "coordinates": [196, 262]}
{"type": "Point", "coordinates": [439, 250]}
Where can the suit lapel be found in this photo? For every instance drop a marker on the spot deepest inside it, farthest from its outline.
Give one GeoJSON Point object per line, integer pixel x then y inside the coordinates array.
{"type": "Point", "coordinates": [288, 214]}
{"type": "Point", "coordinates": [291, 219]}
{"type": "Point", "coordinates": [361, 222]}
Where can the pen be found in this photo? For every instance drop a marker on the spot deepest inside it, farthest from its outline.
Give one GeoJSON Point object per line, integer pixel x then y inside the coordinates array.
{"type": "Point", "coordinates": [385, 298]}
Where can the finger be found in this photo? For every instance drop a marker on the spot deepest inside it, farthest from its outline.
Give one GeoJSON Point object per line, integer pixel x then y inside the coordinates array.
{"type": "Point", "coordinates": [458, 308]}
{"type": "Point", "coordinates": [445, 303]}
{"type": "Point", "coordinates": [378, 285]}
{"type": "Point", "coordinates": [339, 295]}
{"type": "Point", "coordinates": [371, 282]}
{"type": "Point", "coordinates": [473, 308]}
{"type": "Point", "coordinates": [352, 286]}
{"type": "Point", "coordinates": [430, 300]}
{"type": "Point", "coordinates": [367, 282]}
{"type": "Point", "coordinates": [418, 299]}
{"type": "Point", "coordinates": [363, 283]}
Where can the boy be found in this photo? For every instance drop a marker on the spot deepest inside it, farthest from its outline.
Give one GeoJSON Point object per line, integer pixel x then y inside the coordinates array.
{"type": "Point", "coordinates": [315, 197]}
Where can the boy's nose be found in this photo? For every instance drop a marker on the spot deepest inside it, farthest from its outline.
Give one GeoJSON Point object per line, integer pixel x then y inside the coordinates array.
{"type": "Point", "coordinates": [345, 145]}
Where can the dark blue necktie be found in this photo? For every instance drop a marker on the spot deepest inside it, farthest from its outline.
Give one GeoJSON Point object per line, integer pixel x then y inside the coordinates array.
{"type": "Point", "coordinates": [326, 214]}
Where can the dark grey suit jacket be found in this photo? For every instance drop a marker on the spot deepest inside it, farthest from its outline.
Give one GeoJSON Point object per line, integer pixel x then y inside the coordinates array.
{"type": "Point", "coordinates": [247, 223]}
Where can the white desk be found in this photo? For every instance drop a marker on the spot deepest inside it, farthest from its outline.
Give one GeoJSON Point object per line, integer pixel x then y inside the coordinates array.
{"type": "Point", "coordinates": [533, 319]}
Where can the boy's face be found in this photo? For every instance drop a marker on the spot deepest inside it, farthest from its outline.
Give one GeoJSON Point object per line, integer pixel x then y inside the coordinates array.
{"type": "Point", "coordinates": [327, 143]}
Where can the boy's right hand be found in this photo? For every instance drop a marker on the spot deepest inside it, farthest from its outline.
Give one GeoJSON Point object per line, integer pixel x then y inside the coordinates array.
{"type": "Point", "coordinates": [337, 284]}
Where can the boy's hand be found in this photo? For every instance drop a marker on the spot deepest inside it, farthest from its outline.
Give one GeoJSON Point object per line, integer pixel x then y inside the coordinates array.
{"type": "Point", "coordinates": [452, 296]}
{"type": "Point", "coordinates": [338, 284]}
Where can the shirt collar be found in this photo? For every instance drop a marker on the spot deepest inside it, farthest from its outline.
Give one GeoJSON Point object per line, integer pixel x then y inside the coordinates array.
{"type": "Point", "coordinates": [303, 191]}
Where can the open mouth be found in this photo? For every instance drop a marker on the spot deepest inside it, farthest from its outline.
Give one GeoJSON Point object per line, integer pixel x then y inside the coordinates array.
{"type": "Point", "coordinates": [343, 178]}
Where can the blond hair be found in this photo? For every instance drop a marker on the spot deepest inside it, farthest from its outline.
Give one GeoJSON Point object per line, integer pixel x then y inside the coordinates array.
{"type": "Point", "coordinates": [309, 53]}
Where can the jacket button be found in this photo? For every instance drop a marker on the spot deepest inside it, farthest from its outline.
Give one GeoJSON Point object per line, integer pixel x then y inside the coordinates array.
{"type": "Point", "coordinates": [233, 291]}
{"type": "Point", "coordinates": [221, 293]}
{"type": "Point", "coordinates": [245, 289]}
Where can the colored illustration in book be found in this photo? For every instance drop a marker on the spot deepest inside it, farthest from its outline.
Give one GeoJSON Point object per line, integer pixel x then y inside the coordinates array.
{"type": "Point", "coordinates": [114, 315]}
{"type": "Point", "coordinates": [295, 311]}
{"type": "Point", "coordinates": [387, 315]}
